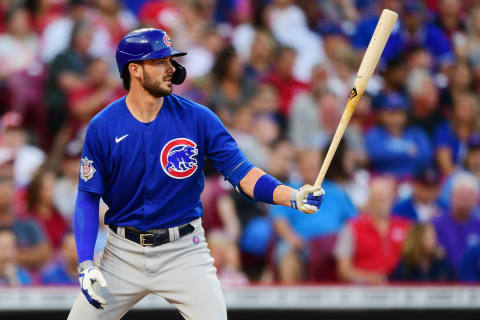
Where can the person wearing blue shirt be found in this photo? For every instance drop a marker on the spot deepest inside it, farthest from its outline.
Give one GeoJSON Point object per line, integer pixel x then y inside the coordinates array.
{"type": "Point", "coordinates": [144, 156]}
{"type": "Point", "coordinates": [392, 146]}
{"type": "Point", "coordinates": [11, 274]}
{"type": "Point", "coordinates": [410, 31]}
{"type": "Point", "coordinates": [422, 205]}
{"type": "Point", "coordinates": [64, 270]}
{"type": "Point", "coordinates": [451, 137]}
{"type": "Point", "coordinates": [470, 265]}
{"type": "Point", "coordinates": [296, 231]}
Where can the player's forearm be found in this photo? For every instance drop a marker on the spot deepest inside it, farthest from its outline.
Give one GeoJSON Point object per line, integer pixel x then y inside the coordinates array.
{"type": "Point", "coordinates": [85, 224]}
{"type": "Point", "coordinates": [281, 194]}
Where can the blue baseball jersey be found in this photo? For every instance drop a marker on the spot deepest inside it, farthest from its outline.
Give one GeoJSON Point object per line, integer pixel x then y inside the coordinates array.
{"type": "Point", "coordinates": [150, 174]}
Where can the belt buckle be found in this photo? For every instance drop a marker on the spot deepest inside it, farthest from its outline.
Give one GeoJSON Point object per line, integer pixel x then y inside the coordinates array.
{"type": "Point", "coordinates": [143, 238]}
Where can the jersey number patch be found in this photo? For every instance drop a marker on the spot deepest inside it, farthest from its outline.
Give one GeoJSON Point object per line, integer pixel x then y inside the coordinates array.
{"type": "Point", "coordinates": [178, 158]}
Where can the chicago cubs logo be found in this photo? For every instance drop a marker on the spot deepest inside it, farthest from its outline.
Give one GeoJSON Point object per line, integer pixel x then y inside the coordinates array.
{"type": "Point", "coordinates": [178, 158]}
{"type": "Point", "coordinates": [167, 41]}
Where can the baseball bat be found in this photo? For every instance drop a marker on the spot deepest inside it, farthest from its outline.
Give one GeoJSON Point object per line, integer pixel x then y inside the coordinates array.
{"type": "Point", "coordinates": [369, 62]}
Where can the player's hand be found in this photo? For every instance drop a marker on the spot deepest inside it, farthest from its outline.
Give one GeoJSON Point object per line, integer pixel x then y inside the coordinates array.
{"type": "Point", "coordinates": [87, 278]}
{"type": "Point", "coordinates": [307, 199]}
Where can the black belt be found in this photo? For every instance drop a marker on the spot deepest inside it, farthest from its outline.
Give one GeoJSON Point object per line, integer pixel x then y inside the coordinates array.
{"type": "Point", "coordinates": [150, 239]}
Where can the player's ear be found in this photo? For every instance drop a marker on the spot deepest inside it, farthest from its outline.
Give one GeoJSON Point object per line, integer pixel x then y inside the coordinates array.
{"type": "Point", "coordinates": [136, 70]}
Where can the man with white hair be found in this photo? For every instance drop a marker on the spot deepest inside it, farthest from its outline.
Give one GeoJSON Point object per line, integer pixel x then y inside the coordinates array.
{"type": "Point", "coordinates": [459, 228]}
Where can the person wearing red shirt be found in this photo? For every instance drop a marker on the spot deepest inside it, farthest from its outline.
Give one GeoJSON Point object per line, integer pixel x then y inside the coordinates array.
{"type": "Point", "coordinates": [283, 80]}
{"type": "Point", "coordinates": [40, 207]}
{"type": "Point", "coordinates": [369, 247]}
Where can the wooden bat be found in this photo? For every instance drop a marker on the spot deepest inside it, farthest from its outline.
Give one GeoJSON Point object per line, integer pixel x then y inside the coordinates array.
{"type": "Point", "coordinates": [370, 60]}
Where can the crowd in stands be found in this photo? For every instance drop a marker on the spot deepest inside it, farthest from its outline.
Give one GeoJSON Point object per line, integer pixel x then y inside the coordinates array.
{"type": "Point", "coordinates": [402, 199]}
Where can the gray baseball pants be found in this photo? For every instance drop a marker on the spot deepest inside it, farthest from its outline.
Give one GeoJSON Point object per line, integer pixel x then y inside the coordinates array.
{"type": "Point", "coordinates": [180, 271]}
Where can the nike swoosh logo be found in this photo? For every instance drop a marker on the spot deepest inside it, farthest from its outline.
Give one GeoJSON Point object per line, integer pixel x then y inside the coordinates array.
{"type": "Point", "coordinates": [117, 140]}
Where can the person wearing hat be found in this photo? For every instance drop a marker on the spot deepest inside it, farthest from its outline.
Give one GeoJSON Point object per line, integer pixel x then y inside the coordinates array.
{"type": "Point", "coordinates": [393, 147]}
{"type": "Point", "coordinates": [421, 206]}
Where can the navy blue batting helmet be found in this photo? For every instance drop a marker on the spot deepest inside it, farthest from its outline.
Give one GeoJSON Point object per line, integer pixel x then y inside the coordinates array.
{"type": "Point", "coordinates": [145, 44]}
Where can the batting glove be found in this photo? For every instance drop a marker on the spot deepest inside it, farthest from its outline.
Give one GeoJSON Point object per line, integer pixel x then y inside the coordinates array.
{"type": "Point", "coordinates": [307, 199]}
{"type": "Point", "coordinates": [89, 274]}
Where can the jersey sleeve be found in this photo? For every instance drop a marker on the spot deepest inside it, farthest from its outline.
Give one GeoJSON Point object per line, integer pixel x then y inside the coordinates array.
{"type": "Point", "coordinates": [222, 149]}
{"type": "Point", "coordinates": [92, 163]}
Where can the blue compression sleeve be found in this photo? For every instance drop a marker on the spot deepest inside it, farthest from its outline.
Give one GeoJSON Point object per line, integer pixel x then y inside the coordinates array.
{"type": "Point", "coordinates": [263, 190]}
{"type": "Point", "coordinates": [239, 172]}
{"type": "Point", "coordinates": [85, 224]}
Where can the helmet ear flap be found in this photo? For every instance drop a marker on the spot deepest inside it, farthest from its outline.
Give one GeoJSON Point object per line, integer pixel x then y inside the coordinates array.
{"type": "Point", "coordinates": [180, 73]}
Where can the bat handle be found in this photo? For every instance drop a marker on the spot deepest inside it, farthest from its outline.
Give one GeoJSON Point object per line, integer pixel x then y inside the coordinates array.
{"type": "Point", "coordinates": [342, 126]}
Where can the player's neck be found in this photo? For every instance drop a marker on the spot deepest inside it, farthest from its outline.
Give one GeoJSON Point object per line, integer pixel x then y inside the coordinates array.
{"type": "Point", "coordinates": [143, 106]}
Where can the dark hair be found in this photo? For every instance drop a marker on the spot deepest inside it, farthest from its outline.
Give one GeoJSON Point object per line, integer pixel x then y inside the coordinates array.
{"type": "Point", "coordinates": [35, 187]}
{"type": "Point", "coordinates": [222, 62]}
{"type": "Point", "coordinates": [126, 79]}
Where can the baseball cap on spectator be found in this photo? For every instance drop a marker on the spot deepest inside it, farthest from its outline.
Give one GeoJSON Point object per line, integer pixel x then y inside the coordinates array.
{"type": "Point", "coordinates": [473, 142]}
{"type": "Point", "coordinates": [428, 176]}
{"type": "Point", "coordinates": [413, 7]}
{"type": "Point", "coordinates": [390, 101]}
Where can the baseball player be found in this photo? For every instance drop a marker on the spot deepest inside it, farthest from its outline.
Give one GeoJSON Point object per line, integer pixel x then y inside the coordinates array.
{"type": "Point", "coordinates": [144, 154]}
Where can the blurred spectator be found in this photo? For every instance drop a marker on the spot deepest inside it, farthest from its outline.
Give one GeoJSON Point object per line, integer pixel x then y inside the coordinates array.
{"type": "Point", "coordinates": [11, 274]}
{"type": "Point", "coordinates": [472, 46]}
{"type": "Point", "coordinates": [423, 260]}
{"type": "Point", "coordinates": [419, 57]}
{"type": "Point", "coordinates": [395, 74]}
{"type": "Point", "coordinates": [226, 260]}
{"type": "Point", "coordinates": [96, 92]}
{"type": "Point", "coordinates": [471, 164]}
{"type": "Point", "coordinates": [460, 82]}
{"type": "Point", "coordinates": [66, 187]}
{"type": "Point", "coordinates": [164, 15]}
{"type": "Point", "coordinates": [295, 231]}
{"type": "Point", "coordinates": [451, 137]}
{"type": "Point", "coordinates": [424, 97]}
{"type": "Point", "coordinates": [313, 122]}
{"type": "Point", "coordinates": [283, 80]}
{"type": "Point", "coordinates": [201, 54]}
{"type": "Point", "coordinates": [394, 147]}
{"type": "Point", "coordinates": [242, 131]}
{"type": "Point", "coordinates": [33, 250]}
{"type": "Point", "coordinates": [412, 30]}
{"type": "Point", "coordinates": [421, 206]}
{"type": "Point", "coordinates": [14, 146]}
{"type": "Point", "coordinates": [289, 26]}
{"type": "Point", "coordinates": [470, 267]}
{"type": "Point", "coordinates": [57, 33]}
{"type": "Point", "coordinates": [64, 270]}
{"type": "Point", "coordinates": [67, 73]}
{"type": "Point", "coordinates": [303, 121]}
{"type": "Point", "coordinates": [260, 57]}
{"type": "Point", "coordinates": [459, 229]}
{"type": "Point", "coordinates": [111, 22]}
{"type": "Point", "coordinates": [451, 20]}
{"type": "Point", "coordinates": [230, 88]}
{"type": "Point", "coordinates": [19, 45]}
{"type": "Point", "coordinates": [40, 206]}
{"type": "Point", "coordinates": [219, 212]}
{"type": "Point", "coordinates": [42, 12]}
{"type": "Point", "coordinates": [369, 246]}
